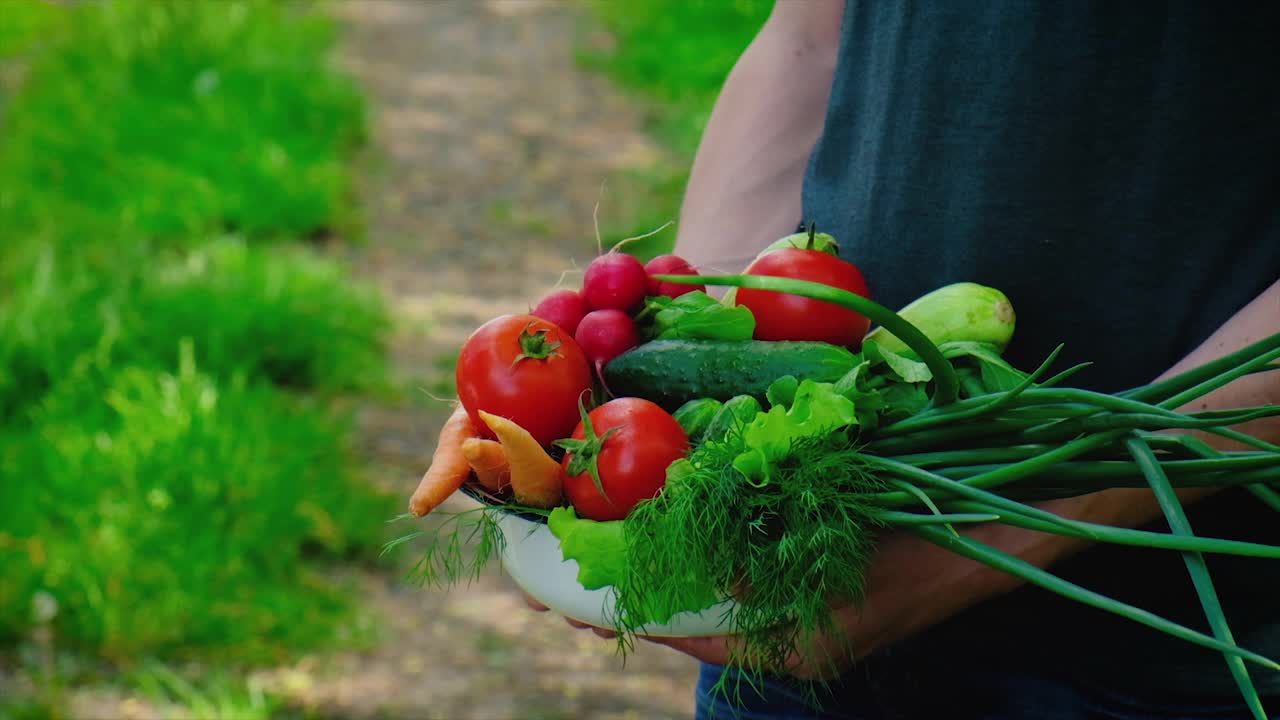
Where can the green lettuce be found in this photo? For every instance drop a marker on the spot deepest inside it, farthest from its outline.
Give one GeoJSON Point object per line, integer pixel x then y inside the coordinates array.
{"type": "Point", "coordinates": [697, 316]}
{"type": "Point", "coordinates": [815, 410]}
{"type": "Point", "coordinates": [599, 548]}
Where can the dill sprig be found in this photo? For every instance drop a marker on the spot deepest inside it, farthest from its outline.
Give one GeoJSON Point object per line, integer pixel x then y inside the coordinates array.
{"type": "Point", "coordinates": [457, 549]}
{"type": "Point", "coordinates": [787, 551]}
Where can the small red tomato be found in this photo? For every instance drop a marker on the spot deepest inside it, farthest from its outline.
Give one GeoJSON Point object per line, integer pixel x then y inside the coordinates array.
{"type": "Point", "coordinates": [527, 370]}
{"type": "Point", "coordinates": [670, 265]}
{"type": "Point", "coordinates": [627, 450]}
{"type": "Point", "coordinates": [781, 316]}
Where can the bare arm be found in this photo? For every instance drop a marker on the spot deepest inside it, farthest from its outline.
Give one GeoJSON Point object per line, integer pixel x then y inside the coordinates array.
{"type": "Point", "coordinates": [744, 188]}
{"type": "Point", "coordinates": [913, 584]}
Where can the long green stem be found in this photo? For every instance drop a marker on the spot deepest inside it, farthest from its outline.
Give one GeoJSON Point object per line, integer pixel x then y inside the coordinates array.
{"type": "Point", "coordinates": [991, 405]}
{"type": "Point", "coordinates": [1123, 536]}
{"type": "Point", "coordinates": [1197, 568]}
{"type": "Point", "coordinates": [1220, 380]}
{"type": "Point", "coordinates": [995, 502]}
{"type": "Point", "coordinates": [1044, 461]}
{"type": "Point", "coordinates": [1159, 391]}
{"type": "Point", "coordinates": [1101, 473]}
{"type": "Point", "coordinates": [946, 385]}
{"type": "Point", "coordinates": [1266, 494]}
{"type": "Point", "coordinates": [974, 550]}
{"type": "Point", "coordinates": [895, 517]}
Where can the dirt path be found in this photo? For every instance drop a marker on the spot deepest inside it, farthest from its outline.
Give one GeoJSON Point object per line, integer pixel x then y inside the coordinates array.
{"type": "Point", "coordinates": [492, 149]}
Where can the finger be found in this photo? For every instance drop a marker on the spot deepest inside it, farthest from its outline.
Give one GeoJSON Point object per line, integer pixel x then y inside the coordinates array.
{"type": "Point", "coordinates": [576, 623]}
{"type": "Point", "coordinates": [534, 604]}
{"type": "Point", "coordinates": [714, 650]}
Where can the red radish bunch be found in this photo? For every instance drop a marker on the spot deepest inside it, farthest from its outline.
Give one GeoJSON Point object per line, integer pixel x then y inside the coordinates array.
{"type": "Point", "coordinates": [599, 317]}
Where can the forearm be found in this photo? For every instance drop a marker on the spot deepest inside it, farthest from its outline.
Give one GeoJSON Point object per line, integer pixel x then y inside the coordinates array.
{"type": "Point", "coordinates": [744, 187]}
{"type": "Point", "coordinates": [951, 584]}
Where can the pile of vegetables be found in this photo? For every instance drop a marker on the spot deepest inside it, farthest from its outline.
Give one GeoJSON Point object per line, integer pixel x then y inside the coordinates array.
{"type": "Point", "coordinates": [688, 451]}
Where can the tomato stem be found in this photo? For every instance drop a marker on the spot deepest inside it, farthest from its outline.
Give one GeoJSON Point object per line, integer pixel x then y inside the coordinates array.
{"type": "Point", "coordinates": [584, 454]}
{"type": "Point", "coordinates": [535, 346]}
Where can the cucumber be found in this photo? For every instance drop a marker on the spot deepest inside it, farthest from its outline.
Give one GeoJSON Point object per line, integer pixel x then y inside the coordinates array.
{"type": "Point", "coordinates": [695, 415]}
{"type": "Point", "coordinates": [673, 372]}
{"type": "Point", "coordinates": [961, 311]}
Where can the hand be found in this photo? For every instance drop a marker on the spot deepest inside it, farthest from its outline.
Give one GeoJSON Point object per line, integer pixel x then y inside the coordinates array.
{"type": "Point", "coordinates": [719, 650]}
{"type": "Point", "coordinates": [534, 604]}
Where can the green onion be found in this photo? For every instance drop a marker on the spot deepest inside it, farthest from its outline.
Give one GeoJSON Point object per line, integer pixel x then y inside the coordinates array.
{"type": "Point", "coordinates": [1019, 568]}
{"type": "Point", "coordinates": [1179, 524]}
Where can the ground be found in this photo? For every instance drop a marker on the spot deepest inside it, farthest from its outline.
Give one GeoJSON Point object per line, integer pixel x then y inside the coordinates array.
{"type": "Point", "coordinates": [492, 152]}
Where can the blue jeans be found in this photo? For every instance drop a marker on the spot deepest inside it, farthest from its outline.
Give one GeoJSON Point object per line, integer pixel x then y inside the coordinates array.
{"type": "Point", "coordinates": [958, 692]}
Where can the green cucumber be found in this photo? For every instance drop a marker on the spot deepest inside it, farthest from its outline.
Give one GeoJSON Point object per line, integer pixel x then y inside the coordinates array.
{"type": "Point", "coordinates": [695, 415]}
{"type": "Point", "coordinates": [673, 372]}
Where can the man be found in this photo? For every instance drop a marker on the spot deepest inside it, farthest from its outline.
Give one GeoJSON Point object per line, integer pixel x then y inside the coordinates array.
{"type": "Point", "coordinates": [1114, 169]}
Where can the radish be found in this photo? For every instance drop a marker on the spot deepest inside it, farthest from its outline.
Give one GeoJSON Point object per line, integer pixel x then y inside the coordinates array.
{"type": "Point", "coordinates": [604, 335]}
{"type": "Point", "coordinates": [615, 281]}
{"type": "Point", "coordinates": [670, 265]}
{"type": "Point", "coordinates": [565, 308]}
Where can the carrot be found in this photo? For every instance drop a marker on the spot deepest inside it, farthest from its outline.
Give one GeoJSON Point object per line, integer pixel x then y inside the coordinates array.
{"type": "Point", "coordinates": [535, 477]}
{"type": "Point", "coordinates": [449, 468]}
{"type": "Point", "coordinates": [488, 461]}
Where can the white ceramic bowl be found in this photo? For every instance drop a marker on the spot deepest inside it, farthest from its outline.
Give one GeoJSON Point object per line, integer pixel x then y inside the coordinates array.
{"type": "Point", "coordinates": [531, 556]}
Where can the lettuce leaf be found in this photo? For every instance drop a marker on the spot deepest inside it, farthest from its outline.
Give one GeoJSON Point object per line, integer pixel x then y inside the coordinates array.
{"type": "Point", "coordinates": [599, 547]}
{"type": "Point", "coordinates": [815, 410]}
{"type": "Point", "coordinates": [697, 316]}
{"type": "Point", "coordinates": [601, 553]}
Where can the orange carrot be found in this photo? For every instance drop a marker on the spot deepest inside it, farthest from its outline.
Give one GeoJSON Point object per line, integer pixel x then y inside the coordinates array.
{"type": "Point", "coordinates": [535, 477]}
{"type": "Point", "coordinates": [488, 461]}
{"type": "Point", "coordinates": [449, 468]}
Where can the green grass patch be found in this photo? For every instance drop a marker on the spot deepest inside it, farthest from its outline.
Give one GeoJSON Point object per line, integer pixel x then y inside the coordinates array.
{"type": "Point", "coordinates": [172, 118]}
{"type": "Point", "coordinates": [278, 314]}
{"type": "Point", "coordinates": [174, 476]}
{"type": "Point", "coordinates": [674, 56]}
{"type": "Point", "coordinates": [175, 513]}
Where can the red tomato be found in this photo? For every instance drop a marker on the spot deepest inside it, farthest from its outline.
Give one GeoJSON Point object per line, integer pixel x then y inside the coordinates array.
{"type": "Point", "coordinates": [780, 316]}
{"type": "Point", "coordinates": [631, 462]}
{"type": "Point", "coordinates": [525, 369]}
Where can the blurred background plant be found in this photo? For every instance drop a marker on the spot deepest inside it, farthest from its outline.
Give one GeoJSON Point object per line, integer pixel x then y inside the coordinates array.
{"type": "Point", "coordinates": [174, 347]}
{"type": "Point", "coordinates": [180, 351]}
{"type": "Point", "coordinates": [673, 56]}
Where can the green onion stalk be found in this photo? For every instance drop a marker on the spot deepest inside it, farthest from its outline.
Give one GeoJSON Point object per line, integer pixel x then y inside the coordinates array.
{"type": "Point", "coordinates": [989, 457]}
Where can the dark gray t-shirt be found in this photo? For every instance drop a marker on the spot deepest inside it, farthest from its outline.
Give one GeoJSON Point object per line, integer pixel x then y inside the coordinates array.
{"type": "Point", "coordinates": [1114, 168]}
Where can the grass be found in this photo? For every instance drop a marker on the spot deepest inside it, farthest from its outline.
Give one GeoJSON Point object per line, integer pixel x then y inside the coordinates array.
{"type": "Point", "coordinates": [279, 314]}
{"type": "Point", "coordinates": [225, 112]}
{"type": "Point", "coordinates": [175, 467]}
{"type": "Point", "coordinates": [673, 56]}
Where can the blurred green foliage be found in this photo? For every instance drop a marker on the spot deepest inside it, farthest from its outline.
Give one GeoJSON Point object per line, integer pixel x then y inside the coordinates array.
{"type": "Point", "coordinates": [174, 118]}
{"type": "Point", "coordinates": [674, 56]}
{"type": "Point", "coordinates": [175, 468]}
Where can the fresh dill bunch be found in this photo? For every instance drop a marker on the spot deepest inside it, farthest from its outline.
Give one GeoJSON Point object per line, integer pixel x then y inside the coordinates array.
{"type": "Point", "coordinates": [789, 551]}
